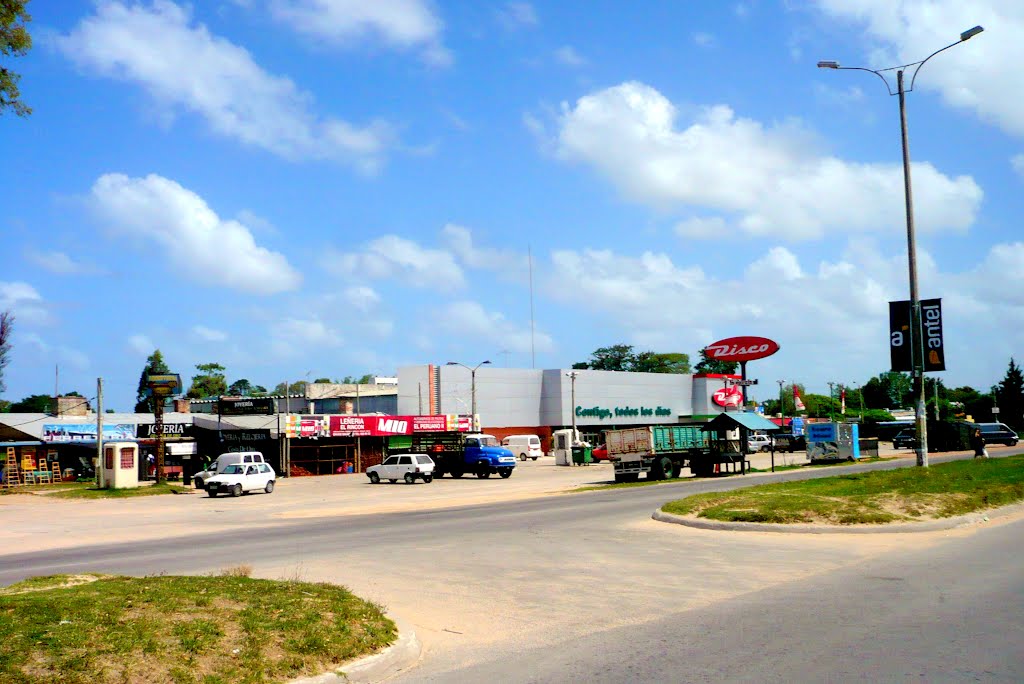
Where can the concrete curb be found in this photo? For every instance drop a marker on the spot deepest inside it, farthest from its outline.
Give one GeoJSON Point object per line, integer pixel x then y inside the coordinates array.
{"type": "Point", "coordinates": [377, 667]}
{"type": "Point", "coordinates": [928, 526]}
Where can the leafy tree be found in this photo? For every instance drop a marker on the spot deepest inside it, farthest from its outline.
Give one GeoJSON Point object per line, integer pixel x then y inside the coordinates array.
{"type": "Point", "coordinates": [297, 387]}
{"type": "Point", "coordinates": [209, 382]}
{"type": "Point", "coordinates": [771, 406]}
{"type": "Point", "coordinates": [820, 406]}
{"type": "Point", "coordinates": [6, 329]}
{"type": "Point", "coordinates": [241, 388]}
{"type": "Point", "coordinates": [714, 366]}
{"type": "Point", "coordinates": [621, 357]}
{"type": "Point", "coordinates": [1010, 396]}
{"type": "Point", "coordinates": [322, 381]}
{"type": "Point", "coordinates": [154, 366]}
{"type": "Point", "coordinates": [36, 403]}
{"type": "Point", "coordinates": [14, 40]}
{"type": "Point", "coordinates": [888, 390]}
{"type": "Point", "coordinates": [5, 406]}
{"type": "Point", "coordinates": [362, 380]}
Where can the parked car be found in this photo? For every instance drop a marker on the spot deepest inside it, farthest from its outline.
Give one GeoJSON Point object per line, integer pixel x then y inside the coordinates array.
{"type": "Point", "coordinates": [787, 441]}
{"type": "Point", "coordinates": [758, 442]}
{"type": "Point", "coordinates": [997, 433]}
{"type": "Point", "coordinates": [239, 478]}
{"type": "Point", "coordinates": [523, 446]}
{"type": "Point", "coordinates": [600, 452]}
{"type": "Point", "coordinates": [905, 439]}
{"type": "Point", "coordinates": [408, 467]}
{"type": "Point", "coordinates": [221, 463]}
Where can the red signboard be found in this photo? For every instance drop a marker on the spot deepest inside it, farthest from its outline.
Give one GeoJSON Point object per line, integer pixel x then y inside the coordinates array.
{"type": "Point", "coordinates": [744, 348]}
{"type": "Point", "coordinates": [386, 426]}
{"type": "Point", "coordinates": [728, 396]}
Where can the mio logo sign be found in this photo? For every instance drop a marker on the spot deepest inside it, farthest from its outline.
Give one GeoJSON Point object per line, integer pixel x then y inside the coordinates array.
{"type": "Point", "coordinates": [744, 348]}
{"type": "Point", "coordinates": [902, 344]}
{"type": "Point", "coordinates": [393, 426]}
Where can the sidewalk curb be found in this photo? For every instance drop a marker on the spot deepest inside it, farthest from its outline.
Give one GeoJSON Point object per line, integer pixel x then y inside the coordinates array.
{"type": "Point", "coordinates": [377, 667]}
{"type": "Point", "coordinates": [929, 526]}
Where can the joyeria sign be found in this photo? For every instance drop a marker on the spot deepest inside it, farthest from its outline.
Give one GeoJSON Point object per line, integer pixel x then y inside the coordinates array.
{"type": "Point", "coordinates": [744, 348]}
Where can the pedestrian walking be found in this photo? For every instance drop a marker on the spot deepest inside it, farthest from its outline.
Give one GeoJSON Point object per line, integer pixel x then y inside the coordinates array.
{"type": "Point", "coordinates": [978, 444]}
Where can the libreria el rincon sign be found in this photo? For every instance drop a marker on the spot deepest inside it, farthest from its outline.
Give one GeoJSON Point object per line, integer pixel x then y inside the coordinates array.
{"type": "Point", "coordinates": [602, 413]}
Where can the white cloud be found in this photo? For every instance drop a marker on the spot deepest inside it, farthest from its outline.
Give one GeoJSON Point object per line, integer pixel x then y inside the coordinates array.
{"type": "Point", "coordinates": [403, 24]}
{"type": "Point", "coordinates": [1017, 161]}
{"type": "Point", "coordinates": [362, 298]}
{"type": "Point", "coordinates": [843, 97]}
{"type": "Point", "coordinates": [982, 75]}
{"type": "Point", "coordinates": [770, 179]}
{"type": "Point", "coordinates": [568, 56]}
{"type": "Point", "coordinates": [460, 241]}
{"type": "Point", "coordinates": [209, 334]}
{"type": "Point", "coordinates": [60, 263]}
{"type": "Point", "coordinates": [475, 323]}
{"type": "Point", "coordinates": [141, 344]}
{"type": "Point", "coordinates": [703, 227]}
{"type": "Point", "coordinates": [515, 15]}
{"type": "Point", "coordinates": [57, 353]}
{"type": "Point", "coordinates": [295, 336]}
{"type": "Point", "coordinates": [24, 301]}
{"type": "Point", "coordinates": [203, 246]}
{"type": "Point", "coordinates": [391, 256]}
{"type": "Point", "coordinates": [182, 64]}
{"type": "Point", "coordinates": [702, 39]}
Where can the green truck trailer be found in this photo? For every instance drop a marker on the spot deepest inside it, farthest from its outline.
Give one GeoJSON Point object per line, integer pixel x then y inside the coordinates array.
{"type": "Point", "coordinates": [659, 451]}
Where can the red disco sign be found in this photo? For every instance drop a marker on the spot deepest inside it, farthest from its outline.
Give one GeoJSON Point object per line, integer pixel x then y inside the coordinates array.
{"type": "Point", "coordinates": [728, 396]}
{"type": "Point", "coordinates": [745, 348]}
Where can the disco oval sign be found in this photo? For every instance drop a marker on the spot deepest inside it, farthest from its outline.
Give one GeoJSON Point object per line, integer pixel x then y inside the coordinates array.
{"type": "Point", "coordinates": [728, 396]}
{"type": "Point", "coordinates": [744, 348]}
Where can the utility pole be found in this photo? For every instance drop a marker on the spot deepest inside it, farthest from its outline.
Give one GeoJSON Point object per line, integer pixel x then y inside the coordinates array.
{"type": "Point", "coordinates": [782, 406]}
{"type": "Point", "coordinates": [831, 405]}
{"type": "Point", "coordinates": [572, 409]}
{"type": "Point", "coordinates": [99, 433]}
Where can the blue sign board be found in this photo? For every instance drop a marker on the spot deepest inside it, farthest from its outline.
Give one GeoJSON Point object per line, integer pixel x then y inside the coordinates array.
{"type": "Point", "coordinates": [797, 425]}
{"type": "Point", "coordinates": [821, 432]}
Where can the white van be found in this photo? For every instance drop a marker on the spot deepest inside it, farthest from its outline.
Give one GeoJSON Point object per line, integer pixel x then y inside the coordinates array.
{"type": "Point", "coordinates": [222, 462]}
{"type": "Point", "coordinates": [523, 446]}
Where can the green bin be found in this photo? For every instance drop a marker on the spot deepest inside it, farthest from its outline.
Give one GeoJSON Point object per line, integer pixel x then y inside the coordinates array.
{"type": "Point", "coordinates": [582, 455]}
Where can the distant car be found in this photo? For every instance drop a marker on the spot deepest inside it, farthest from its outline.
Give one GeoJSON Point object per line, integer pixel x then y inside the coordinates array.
{"type": "Point", "coordinates": [599, 453]}
{"type": "Point", "coordinates": [239, 478]}
{"type": "Point", "coordinates": [997, 433]}
{"type": "Point", "coordinates": [759, 442]}
{"type": "Point", "coordinates": [408, 467]}
{"type": "Point", "coordinates": [787, 441]}
{"type": "Point", "coordinates": [905, 439]}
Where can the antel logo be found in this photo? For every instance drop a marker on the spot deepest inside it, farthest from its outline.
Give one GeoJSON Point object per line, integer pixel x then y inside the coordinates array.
{"type": "Point", "coordinates": [398, 427]}
{"type": "Point", "coordinates": [744, 348]}
{"type": "Point", "coordinates": [728, 396]}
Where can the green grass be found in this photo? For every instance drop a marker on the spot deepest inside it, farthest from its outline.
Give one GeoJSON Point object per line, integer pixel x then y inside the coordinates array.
{"type": "Point", "coordinates": [88, 490]}
{"type": "Point", "coordinates": [907, 494]}
{"type": "Point", "coordinates": [94, 629]}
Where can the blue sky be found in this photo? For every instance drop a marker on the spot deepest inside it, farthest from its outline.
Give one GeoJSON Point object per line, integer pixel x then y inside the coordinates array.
{"type": "Point", "coordinates": [336, 187]}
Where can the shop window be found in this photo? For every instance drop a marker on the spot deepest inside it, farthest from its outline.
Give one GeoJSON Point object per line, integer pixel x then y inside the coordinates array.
{"type": "Point", "coordinates": [128, 458]}
{"type": "Point", "coordinates": [108, 458]}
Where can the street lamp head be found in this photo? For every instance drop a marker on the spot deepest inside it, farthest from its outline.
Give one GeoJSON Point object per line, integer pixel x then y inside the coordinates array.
{"type": "Point", "coordinates": [832, 65]}
{"type": "Point", "coordinates": [485, 363]}
{"type": "Point", "coordinates": [970, 33]}
{"type": "Point", "coordinates": [453, 363]}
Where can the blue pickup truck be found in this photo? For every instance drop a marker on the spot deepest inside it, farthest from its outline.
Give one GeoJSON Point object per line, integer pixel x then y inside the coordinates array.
{"type": "Point", "coordinates": [458, 454]}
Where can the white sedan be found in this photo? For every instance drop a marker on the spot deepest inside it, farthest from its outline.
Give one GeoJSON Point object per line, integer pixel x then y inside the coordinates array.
{"type": "Point", "coordinates": [242, 477]}
{"type": "Point", "coordinates": [409, 467]}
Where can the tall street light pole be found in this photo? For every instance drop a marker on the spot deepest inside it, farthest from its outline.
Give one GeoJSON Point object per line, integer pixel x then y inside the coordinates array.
{"type": "Point", "coordinates": [572, 380]}
{"type": "Point", "coordinates": [472, 386]}
{"type": "Point", "coordinates": [916, 345]}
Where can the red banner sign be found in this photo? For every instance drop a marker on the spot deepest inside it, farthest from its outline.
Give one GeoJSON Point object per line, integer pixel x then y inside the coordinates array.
{"type": "Point", "coordinates": [386, 426]}
{"type": "Point", "coordinates": [741, 348]}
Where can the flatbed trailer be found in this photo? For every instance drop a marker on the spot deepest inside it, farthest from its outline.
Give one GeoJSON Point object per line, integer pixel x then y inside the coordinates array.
{"type": "Point", "coordinates": [660, 452]}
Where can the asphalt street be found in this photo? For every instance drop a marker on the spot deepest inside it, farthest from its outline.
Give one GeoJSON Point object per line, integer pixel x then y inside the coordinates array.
{"type": "Point", "coordinates": [586, 587]}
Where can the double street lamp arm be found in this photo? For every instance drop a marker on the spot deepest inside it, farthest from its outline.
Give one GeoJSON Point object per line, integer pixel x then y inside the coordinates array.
{"type": "Point", "coordinates": [916, 346]}
{"type": "Point", "coordinates": [472, 384]}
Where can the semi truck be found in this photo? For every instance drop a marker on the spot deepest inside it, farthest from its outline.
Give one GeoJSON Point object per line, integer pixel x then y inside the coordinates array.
{"type": "Point", "coordinates": [456, 453]}
{"type": "Point", "coordinates": [660, 452]}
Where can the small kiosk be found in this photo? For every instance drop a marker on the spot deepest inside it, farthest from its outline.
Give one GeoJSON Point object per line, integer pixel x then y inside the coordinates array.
{"type": "Point", "coordinates": [120, 465]}
{"type": "Point", "coordinates": [833, 442]}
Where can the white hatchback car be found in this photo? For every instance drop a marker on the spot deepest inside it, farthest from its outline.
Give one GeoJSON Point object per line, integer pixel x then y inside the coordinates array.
{"type": "Point", "coordinates": [238, 478]}
{"type": "Point", "coordinates": [409, 467]}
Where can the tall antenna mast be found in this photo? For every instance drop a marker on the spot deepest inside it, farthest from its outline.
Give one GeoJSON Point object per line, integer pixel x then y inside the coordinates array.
{"type": "Point", "coordinates": [533, 355]}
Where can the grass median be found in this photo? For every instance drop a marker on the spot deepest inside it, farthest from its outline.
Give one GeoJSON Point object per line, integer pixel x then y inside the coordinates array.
{"type": "Point", "coordinates": [214, 630]}
{"type": "Point", "coordinates": [88, 490]}
{"type": "Point", "coordinates": [903, 495]}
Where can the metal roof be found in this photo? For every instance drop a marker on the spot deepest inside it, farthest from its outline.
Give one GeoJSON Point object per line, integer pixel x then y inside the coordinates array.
{"type": "Point", "coordinates": [751, 421]}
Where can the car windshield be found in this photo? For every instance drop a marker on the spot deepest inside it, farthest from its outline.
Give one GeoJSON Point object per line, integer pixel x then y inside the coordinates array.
{"type": "Point", "coordinates": [234, 470]}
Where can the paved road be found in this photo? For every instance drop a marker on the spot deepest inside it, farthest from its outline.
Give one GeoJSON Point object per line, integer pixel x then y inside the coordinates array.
{"type": "Point", "coordinates": [586, 586]}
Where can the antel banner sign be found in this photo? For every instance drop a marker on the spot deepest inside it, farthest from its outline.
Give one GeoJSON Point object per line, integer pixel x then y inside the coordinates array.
{"type": "Point", "coordinates": [901, 339]}
{"type": "Point", "coordinates": [387, 426]}
{"type": "Point", "coordinates": [744, 348]}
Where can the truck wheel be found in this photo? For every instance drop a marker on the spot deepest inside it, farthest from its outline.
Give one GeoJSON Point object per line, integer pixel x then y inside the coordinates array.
{"type": "Point", "coordinates": [456, 474]}
{"type": "Point", "coordinates": [676, 469]}
{"type": "Point", "coordinates": [661, 469]}
{"type": "Point", "coordinates": [483, 473]}
{"type": "Point", "coordinates": [505, 473]}
{"type": "Point", "coordinates": [410, 478]}
{"type": "Point", "coordinates": [438, 473]}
